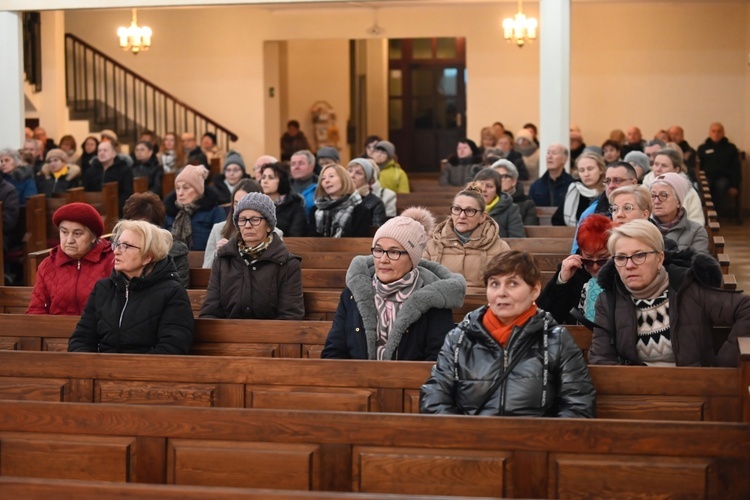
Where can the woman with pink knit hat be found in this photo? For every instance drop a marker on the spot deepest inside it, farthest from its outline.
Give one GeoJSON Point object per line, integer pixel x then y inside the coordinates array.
{"type": "Point", "coordinates": [396, 306]}
{"type": "Point", "coordinates": [668, 192]}
{"type": "Point", "coordinates": [192, 210]}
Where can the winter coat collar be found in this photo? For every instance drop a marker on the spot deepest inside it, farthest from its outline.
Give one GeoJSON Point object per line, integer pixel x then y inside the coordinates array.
{"type": "Point", "coordinates": [73, 172]}
{"type": "Point", "coordinates": [472, 325]}
{"type": "Point", "coordinates": [680, 265]}
{"type": "Point", "coordinates": [276, 252]}
{"type": "Point", "coordinates": [162, 271]}
{"type": "Point", "coordinates": [483, 237]}
{"type": "Point", "coordinates": [442, 289]}
{"type": "Point", "coordinates": [100, 251]}
{"type": "Point", "coordinates": [21, 173]}
{"type": "Point", "coordinates": [502, 205]}
{"type": "Point", "coordinates": [206, 202]}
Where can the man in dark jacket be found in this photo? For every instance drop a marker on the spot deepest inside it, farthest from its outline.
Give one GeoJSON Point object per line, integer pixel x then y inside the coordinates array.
{"type": "Point", "coordinates": [550, 189]}
{"type": "Point", "coordinates": [9, 198]}
{"type": "Point", "coordinates": [109, 167]}
{"type": "Point", "coordinates": [720, 161]}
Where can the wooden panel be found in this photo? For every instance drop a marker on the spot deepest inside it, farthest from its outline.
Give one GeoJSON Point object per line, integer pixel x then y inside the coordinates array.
{"type": "Point", "coordinates": [250, 465]}
{"type": "Point", "coordinates": [312, 351]}
{"type": "Point", "coordinates": [626, 476]}
{"type": "Point", "coordinates": [411, 401]}
{"type": "Point", "coordinates": [99, 458]}
{"type": "Point", "coordinates": [55, 345]}
{"type": "Point", "coordinates": [311, 398]}
{"type": "Point", "coordinates": [10, 343]}
{"type": "Point", "coordinates": [176, 394]}
{"type": "Point", "coordinates": [39, 389]}
{"type": "Point", "coordinates": [235, 349]}
{"type": "Point", "coordinates": [650, 408]}
{"type": "Point", "coordinates": [467, 473]}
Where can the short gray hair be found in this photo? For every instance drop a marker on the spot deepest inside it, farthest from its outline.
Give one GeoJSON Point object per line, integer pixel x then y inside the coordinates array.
{"type": "Point", "coordinates": [13, 153]}
{"type": "Point", "coordinates": [507, 165]}
{"type": "Point", "coordinates": [642, 230]}
{"type": "Point", "coordinates": [307, 154]}
{"type": "Point", "coordinates": [674, 156]}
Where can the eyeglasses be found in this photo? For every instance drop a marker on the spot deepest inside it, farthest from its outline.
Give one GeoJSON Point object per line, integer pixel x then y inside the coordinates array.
{"type": "Point", "coordinates": [393, 254]}
{"type": "Point", "coordinates": [616, 181]}
{"type": "Point", "coordinates": [591, 262]}
{"type": "Point", "coordinates": [254, 221]}
{"type": "Point", "coordinates": [637, 258]}
{"type": "Point", "coordinates": [123, 246]}
{"type": "Point", "coordinates": [663, 196]}
{"type": "Point", "coordinates": [627, 208]}
{"type": "Point", "coordinates": [470, 212]}
{"type": "Point", "coordinates": [506, 176]}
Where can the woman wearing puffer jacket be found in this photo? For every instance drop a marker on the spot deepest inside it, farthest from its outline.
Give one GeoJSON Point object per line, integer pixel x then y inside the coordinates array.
{"type": "Point", "coordinates": [510, 358]}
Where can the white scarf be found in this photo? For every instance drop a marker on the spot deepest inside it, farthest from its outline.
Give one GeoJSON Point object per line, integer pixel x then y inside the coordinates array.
{"type": "Point", "coordinates": [570, 205]}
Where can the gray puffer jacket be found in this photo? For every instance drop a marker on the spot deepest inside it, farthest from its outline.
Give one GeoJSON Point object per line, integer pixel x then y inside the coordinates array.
{"type": "Point", "coordinates": [508, 217]}
{"type": "Point", "coordinates": [465, 378]}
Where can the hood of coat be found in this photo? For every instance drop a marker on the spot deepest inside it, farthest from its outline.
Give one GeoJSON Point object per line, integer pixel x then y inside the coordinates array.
{"type": "Point", "coordinates": [74, 171]}
{"type": "Point", "coordinates": [679, 264]}
{"type": "Point", "coordinates": [441, 289]}
{"type": "Point", "coordinates": [473, 327]}
{"type": "Point", "coordinates": [520, 194]}
{"type": "Point", "coordinates": [100, 251]}
{"type": "Point", "coordinates": [483, 237]}
{"type": "Point", "coordinates": [22, 172]}
{"type": "Point", "coordinates": [502, 205]}
{"type": "Point", "coordinates": [163, 270]}
{"type": "Point", "coordinates": [277, 252]}
{"type": "Point", "coordinates": [292, 199]}
{"type": "Point", "coordinates": [208, 201]}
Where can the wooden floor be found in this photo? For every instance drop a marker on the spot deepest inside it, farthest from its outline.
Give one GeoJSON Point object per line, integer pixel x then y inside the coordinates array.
{"type": "Point", "coordinates": [738, 248]}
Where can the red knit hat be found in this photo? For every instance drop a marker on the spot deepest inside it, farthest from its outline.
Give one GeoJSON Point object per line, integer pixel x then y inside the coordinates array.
{"type": "Point", "coordinates": [82, 213]}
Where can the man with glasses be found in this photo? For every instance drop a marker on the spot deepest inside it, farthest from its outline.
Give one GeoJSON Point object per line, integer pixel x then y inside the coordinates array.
{"type": "Point", "coordinates": [618, 174]}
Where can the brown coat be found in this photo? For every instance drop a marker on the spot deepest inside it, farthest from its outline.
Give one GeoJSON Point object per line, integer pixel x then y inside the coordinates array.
{"type": "Point", "coordinates": [270, 288]}
{"type": "Point", "coordinates": [470, 259]}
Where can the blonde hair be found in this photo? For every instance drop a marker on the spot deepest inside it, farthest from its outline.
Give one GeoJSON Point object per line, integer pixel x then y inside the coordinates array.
{"type": "Point", "coordinates": [640, 229]}
{"type": "Point", "coordinates": [640, 193]}
{"type": "Point", "coordinates": [156, 241]}
{"type": "Point", "coordinates": [347, 184]}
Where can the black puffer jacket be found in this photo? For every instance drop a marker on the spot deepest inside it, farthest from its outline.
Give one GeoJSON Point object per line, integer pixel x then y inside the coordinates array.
{"type": "Point", "coordinates": [149, 315]}
{"type": "Point", "coordinates": [464, 379]}
{"type": "Point", "coordinates": [152, 171]}
{"type": "Point", "coordinates": [291, 217]}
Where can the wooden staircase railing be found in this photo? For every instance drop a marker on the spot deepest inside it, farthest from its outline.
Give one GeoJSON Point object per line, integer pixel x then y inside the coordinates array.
{"type": "Point", "coordinates": [114, 97]}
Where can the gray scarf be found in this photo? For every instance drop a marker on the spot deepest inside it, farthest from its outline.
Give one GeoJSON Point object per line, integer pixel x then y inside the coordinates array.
{"type": "Point", "coordinates": [182, 227]}
{"type": "Point", "coordinates": [333, 216]}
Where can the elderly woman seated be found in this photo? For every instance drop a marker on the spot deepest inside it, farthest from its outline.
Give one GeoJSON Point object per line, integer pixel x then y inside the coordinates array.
{"type": "Point", "coordinates": [395, 306]}
{"type": "Point", "coordinates": [658, 308]}
{"type": "Point", "coordinates": [510, 358]}
{"type": "Point", "coordinates": [668, 193]}
{"type": "Point", "coordinates": [466, 241]}
{"type": "Point", "coordinates": [253, 275]}
{"type": "Point", "coordinates": [141, 307]}
{"type": "Point", "coordinates": [65, 278]}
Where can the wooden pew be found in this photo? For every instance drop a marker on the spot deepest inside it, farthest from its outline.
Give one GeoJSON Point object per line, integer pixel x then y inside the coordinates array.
{"type": "Point", "coordinates": [167, 184]}
{"type": "Point", "coordinates": [643, 393]}
{"type": "Point", "coordinates": [43, 489]}
{"type": "Point", "coordinates": [2, 251]}
{"type": "Point", "coordinates": [357, 452]}
{"type": "Point", "coordinates": [140, 184]}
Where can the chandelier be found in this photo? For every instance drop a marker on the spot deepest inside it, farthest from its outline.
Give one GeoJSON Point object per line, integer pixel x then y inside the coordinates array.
{"type": "Point", "coordinates": [520, 29]}
{"type": "Point", "coordinates": [134, 38]}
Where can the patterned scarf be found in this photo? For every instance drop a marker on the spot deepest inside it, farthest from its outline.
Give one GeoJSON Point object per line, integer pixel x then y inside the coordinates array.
{"type": "Point", "coordinates": [333, 216]}
{"type": "Point", "coordinates": [664, 227]}
{"type": "Point", "coordinates": [182, 227]}
{"type": "Point", "coordinates": [251, 254]}
{"type": "Point", "coordinates": [389, 297]}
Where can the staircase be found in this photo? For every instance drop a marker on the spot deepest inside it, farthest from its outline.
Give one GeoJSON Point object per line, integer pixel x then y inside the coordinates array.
{"type": "Point", "coordinates": [110, 96]}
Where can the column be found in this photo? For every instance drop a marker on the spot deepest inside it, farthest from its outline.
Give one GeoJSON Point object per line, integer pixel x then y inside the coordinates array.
{"type": "Point", "coordinates": [554, 76]}
{"type": "Point", "coordinates": [11, 85]}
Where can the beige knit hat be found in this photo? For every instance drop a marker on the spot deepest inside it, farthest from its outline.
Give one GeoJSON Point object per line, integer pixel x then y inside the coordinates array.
{"type": "Point", "coordinates": [412, 229]}
{"type": "Point", "coordinates": [195, 176]}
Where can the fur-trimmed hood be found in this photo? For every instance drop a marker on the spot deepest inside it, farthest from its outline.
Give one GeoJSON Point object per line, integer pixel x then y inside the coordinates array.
{"type": "Point", "coordinates": [441, 289]}
{"type": "Point", "coordinates": [680, 264]}
{"type": "Point", "coordinates": [21, 173]}
{"type": "Point", "coordinates": [483, 237]}
{"type": "Point", "coordinates": [74, 171]}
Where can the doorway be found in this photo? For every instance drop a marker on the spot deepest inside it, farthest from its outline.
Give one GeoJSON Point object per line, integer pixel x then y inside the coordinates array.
{"type": "Point", "coordinates": [426, 99]}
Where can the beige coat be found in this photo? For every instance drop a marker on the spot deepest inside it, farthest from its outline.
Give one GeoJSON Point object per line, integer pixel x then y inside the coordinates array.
{"type": "Point", "coordinates": [471, 259]}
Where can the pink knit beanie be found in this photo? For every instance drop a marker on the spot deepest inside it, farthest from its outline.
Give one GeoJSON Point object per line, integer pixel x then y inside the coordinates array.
{"type": "Point", "coordinates": [677, 182]}
{"type": "Point", "coordinates": [412, 229]}
{"type": "Point", "coordinates": [195, 176]}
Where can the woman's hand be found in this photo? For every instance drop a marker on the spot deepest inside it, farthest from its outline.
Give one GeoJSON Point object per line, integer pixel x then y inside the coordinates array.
{"type": "Point", "coordinates": [570, 265]}
{"type": "Point", "coordinates": [220, 243]}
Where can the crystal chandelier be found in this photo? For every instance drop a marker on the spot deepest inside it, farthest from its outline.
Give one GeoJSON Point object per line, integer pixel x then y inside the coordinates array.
{"type": "Point", "coordinates": [520, 29]}
{"type": "Point", "coordinates": [134, 38]}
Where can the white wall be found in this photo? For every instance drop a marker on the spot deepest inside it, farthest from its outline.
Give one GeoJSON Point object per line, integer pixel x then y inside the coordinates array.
{"type": "Point", "coordinates": [650, 64]}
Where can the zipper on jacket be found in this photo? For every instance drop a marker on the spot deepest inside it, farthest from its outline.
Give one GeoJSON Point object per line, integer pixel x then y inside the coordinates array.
{"type": "Point", "coordinates": [506, 358]}
{"type": "Point", "coordinates": [75, 290]}
{"type": "Point", "coordinates": [122, 313]}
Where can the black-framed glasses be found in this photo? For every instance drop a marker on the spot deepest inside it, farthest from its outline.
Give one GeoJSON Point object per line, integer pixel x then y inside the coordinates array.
{"type": "Point", "coordinates": [637, 258]}
{"type": "Point", "coordinates": [662, 196]}
{"type": "Point", "coordinates": [123, 246]}
{"type": "Point", "coordinates": [591, 262]}
{"type": "Point", "coordinates": [470, 212]}
{"type": "Point", "coordinates": [254, 221]}
{"type": "Point", "coordinates": [392, 253]}
{"type": "Point", "coordinates": [626, 208]}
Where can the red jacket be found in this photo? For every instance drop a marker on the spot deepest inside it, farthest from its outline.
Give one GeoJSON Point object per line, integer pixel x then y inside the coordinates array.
{"type": "Point", "coordinates": [63, 284]}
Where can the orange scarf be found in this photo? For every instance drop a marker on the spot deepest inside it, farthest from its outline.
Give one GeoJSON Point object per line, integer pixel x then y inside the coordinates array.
{"type": "Point", "coordinates": [500, 331]}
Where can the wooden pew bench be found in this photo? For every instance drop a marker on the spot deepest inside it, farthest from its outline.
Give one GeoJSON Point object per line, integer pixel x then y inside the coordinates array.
{"type": "Point", "coordinates": [375, 453]}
